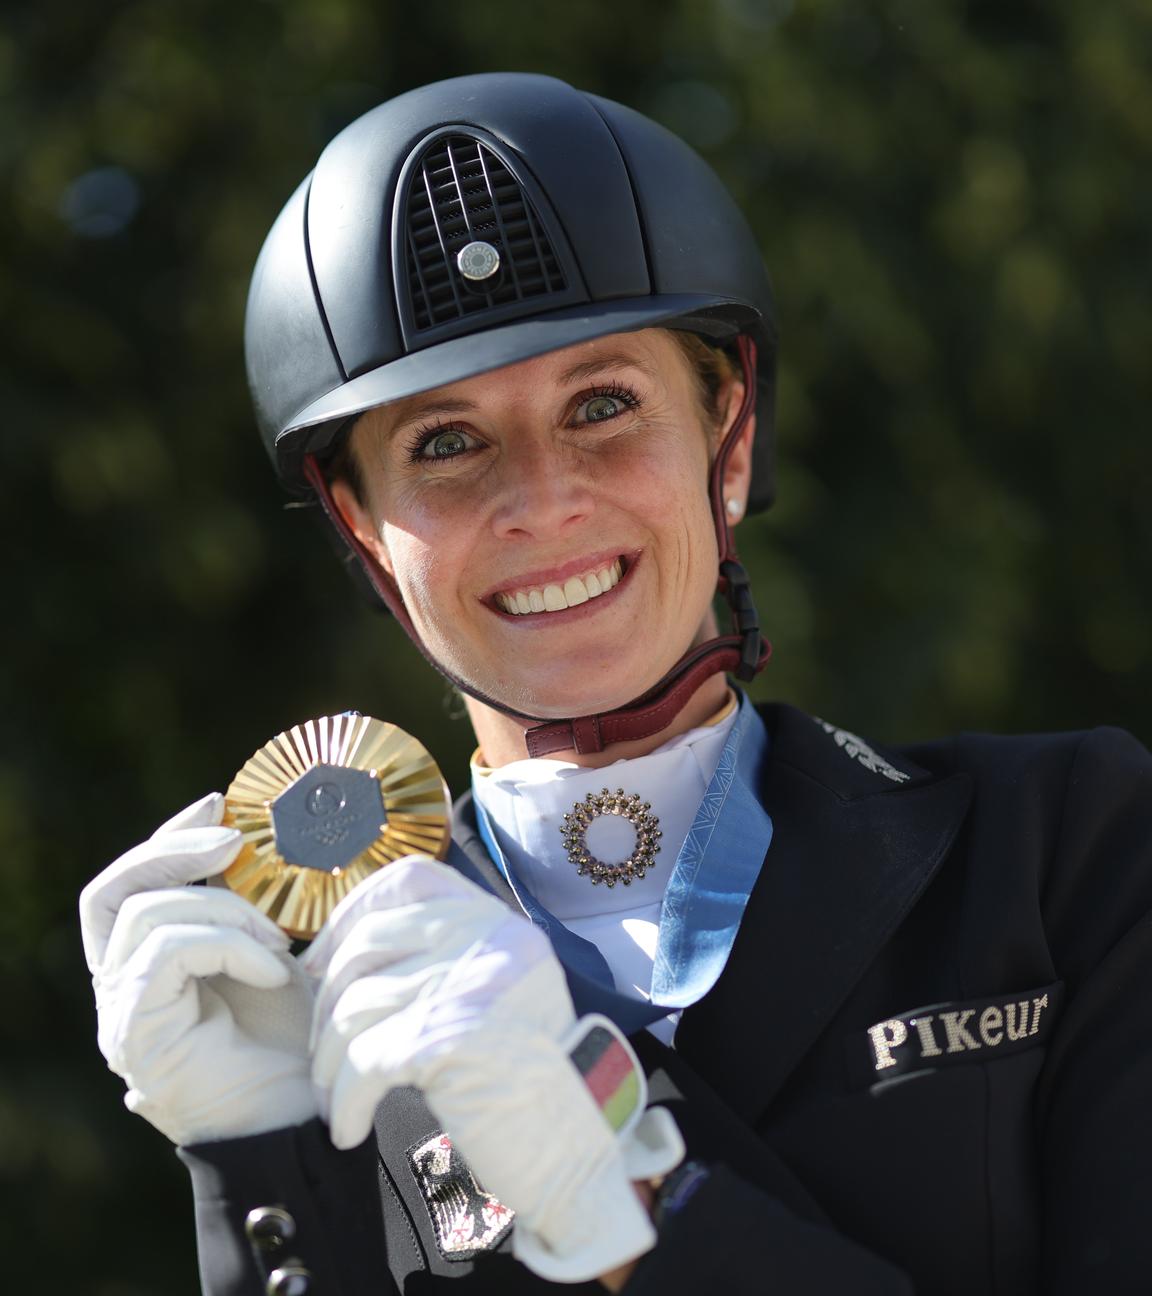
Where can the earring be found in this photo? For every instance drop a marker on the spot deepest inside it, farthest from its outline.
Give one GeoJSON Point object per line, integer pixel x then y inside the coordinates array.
{"type": "Point", "coordinates": [735, 508]}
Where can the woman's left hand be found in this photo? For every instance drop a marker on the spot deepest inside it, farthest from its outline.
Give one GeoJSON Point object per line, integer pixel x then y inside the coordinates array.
{"type": "Point", "coordinates": [427, 980]}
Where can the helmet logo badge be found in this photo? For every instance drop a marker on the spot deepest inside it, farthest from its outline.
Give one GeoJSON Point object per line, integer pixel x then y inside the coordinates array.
{"type": "Point", "coordinates": [478, 261]}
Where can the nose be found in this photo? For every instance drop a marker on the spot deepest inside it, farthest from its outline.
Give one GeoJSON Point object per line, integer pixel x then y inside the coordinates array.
{"type": "Point", "coordinates": [543, 494]}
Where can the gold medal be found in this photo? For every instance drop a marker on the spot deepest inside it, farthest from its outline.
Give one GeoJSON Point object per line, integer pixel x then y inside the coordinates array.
{"type": "Point", "coordinates": [324, 805]}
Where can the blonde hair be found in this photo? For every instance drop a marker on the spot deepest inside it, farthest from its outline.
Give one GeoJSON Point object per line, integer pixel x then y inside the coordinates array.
{"type": "Point", "coordinates": [712, 367]}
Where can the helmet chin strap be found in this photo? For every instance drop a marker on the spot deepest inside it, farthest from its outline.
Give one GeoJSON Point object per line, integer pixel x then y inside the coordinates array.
{"type": "Point", "coordinates": [745, 652]}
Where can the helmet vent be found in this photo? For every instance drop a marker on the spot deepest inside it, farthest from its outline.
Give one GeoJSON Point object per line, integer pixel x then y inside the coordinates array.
{"type": "Point", "coordinates": [461, 192]}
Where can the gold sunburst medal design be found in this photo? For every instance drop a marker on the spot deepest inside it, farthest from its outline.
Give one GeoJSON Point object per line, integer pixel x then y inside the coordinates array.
{"type": "Point", "coordinates": [325, 804]}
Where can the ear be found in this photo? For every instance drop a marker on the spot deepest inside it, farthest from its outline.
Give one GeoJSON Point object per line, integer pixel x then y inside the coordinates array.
{"type": "Point", "coordinates": [361, 523]}
{"type": "Point", "coordinates": [738, 468]}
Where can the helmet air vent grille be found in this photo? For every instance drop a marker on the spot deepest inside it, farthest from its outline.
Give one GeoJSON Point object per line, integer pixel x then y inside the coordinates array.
{"type": "Point", "coordinates": [461, 192]}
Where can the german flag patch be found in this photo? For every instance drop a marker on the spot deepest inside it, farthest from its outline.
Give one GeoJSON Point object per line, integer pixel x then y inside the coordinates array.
{"type": "Point", "coordinates": [601, 1053]}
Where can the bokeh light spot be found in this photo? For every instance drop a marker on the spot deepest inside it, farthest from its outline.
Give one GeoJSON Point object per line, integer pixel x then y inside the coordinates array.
{"type": "Point", "coordinates": [101, 203]}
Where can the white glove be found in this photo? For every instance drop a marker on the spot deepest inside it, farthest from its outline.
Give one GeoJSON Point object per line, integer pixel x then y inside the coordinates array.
{"type": "Point", "coordinates": [201, 1009]}
{"type": "Point", "coordinates": [429, 981]}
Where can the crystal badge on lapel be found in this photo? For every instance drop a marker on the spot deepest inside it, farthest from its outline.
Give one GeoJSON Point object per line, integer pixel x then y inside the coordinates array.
{"type": "Point", "coordinates": [574, 830]}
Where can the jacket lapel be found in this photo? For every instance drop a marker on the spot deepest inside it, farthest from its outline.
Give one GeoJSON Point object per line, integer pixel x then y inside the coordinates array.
{"type": "Point", "coordinates": [468, 854]}
{"type": "Point", "coordinates": [711, 1129]}
{"type": "Point", "coordinates": [857, 837]}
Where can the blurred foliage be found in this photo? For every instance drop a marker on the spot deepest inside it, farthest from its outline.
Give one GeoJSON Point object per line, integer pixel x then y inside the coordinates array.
{"type": "Point", "coordinates": [955, 201]}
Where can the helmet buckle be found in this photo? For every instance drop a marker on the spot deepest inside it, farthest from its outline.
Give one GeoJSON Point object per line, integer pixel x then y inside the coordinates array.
{"type": "Point", "coordinates": [738, 591]}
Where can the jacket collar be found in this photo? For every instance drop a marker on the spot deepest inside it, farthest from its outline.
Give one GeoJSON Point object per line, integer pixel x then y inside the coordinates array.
{"type": "Point", "coordinates": [858, 835]}
{"type": "Point", "coordinates": [469, 855]}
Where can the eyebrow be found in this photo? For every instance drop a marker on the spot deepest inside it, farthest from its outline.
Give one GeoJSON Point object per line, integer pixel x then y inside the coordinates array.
{"type": "Point", "coordinates": [424, 409]}
{"type": "Point", "coordinates": [606, 364]}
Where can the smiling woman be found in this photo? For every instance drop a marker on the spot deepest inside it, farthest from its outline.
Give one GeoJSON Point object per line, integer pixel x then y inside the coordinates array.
{"type": "Point", "coordinates": [518, 343]}
{"type": "Point", "coordinates": [527, 485]}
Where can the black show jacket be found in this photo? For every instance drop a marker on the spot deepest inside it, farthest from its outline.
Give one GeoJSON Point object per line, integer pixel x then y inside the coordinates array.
{"type": "Point", "coordinates": [927, 1065]}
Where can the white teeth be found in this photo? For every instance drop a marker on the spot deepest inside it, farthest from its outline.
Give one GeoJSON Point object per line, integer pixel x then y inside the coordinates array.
{"type": "Point", "coordinates": [555, 598]}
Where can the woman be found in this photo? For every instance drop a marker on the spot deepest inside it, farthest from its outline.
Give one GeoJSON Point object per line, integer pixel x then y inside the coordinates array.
{"type": "Point", "coordinates": [518, 342]}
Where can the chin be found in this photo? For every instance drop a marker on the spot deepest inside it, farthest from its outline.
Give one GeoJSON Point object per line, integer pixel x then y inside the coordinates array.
{"type": "Point", "coordinates": [589, 680]}
{"type": "Point", "coordinates": [563, 695]}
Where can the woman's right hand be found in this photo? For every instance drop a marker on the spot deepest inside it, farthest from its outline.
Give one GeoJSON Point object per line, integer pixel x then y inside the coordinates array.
{"type": "Point", "coordinates": [201, 1008]}
{"type": "Point", "coordinates": [427, 980]}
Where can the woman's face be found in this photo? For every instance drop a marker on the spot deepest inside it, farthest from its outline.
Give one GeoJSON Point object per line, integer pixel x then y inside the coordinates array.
{"type": "Point", "coordinates": [574, 486]}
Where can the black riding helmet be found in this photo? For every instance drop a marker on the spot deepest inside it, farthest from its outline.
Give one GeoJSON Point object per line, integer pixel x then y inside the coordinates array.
{"type": "Point", "coordinates": [480, 221]}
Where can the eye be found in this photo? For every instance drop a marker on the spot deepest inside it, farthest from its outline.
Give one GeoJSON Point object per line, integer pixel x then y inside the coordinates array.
{"type": "Point", "coordinates": [602, 407]}
{"type": "Point", "coordinates": [440, 443]}
{"type": "Point", "coordinates": [444, 445]}
{"type": "Point", "coordinates": [607, 404]}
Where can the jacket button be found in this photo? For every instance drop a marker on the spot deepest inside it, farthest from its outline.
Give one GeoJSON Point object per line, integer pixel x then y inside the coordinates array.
{"type": "Point", "coordinates": [291, 1279]}
{"type": "Point", "coordinates": [269, 1227]}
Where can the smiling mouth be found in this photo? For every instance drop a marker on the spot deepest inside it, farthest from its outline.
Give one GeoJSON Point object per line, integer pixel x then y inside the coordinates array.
{"type": "Point", "coordinates": [562, 595]}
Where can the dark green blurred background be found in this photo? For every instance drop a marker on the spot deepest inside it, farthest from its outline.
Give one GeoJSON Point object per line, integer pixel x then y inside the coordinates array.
{"type": "Point", "coordinates": [955, 201]}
